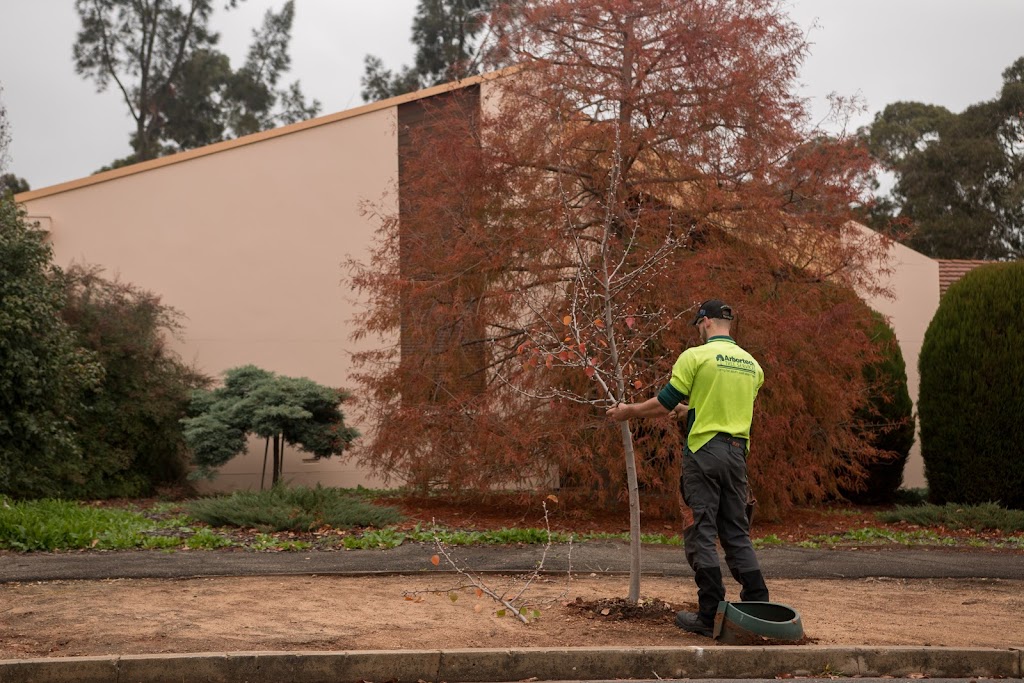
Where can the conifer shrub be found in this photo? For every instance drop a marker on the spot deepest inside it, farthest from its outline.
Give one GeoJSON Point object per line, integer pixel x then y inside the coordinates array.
{"type": "Point", "coordinates": [982, 517]}
{"type": "Point", "coordinates": [971, 399]}
{"type": "Point", "coordinates": [297, 508]}
{"type": "Point", "coordinates": [886, 421]}
{"type": "Point", "coordinates": [286, 410]}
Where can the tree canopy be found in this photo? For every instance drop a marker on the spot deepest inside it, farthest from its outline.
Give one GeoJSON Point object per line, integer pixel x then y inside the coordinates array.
{"type": "Point", "coordinates": [452, 39]}
{"type": "Point", "coordinates": [959, 178]}
{"type": "Point", "coordinates": [180, 90]}
{"type": "Point", "coordinates": [5, 135]}
{"type": "Point", "coordinates": [549, 245]}
{"type": "Point", "coordinates": [13, 184]}
{"type": "Point", "coordinates": [8, 181]}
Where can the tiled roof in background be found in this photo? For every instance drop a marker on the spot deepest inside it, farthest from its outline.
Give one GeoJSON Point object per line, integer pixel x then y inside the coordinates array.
{"type": "Point", "coordinates": [951, 270]}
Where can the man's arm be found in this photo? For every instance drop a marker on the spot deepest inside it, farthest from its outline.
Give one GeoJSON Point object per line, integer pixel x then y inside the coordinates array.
{"type": "Point", "coordinates": [652, 407]}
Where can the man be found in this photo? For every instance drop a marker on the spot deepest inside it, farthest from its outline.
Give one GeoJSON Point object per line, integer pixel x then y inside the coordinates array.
{"type": "Point", "coordinates": [720, 381]}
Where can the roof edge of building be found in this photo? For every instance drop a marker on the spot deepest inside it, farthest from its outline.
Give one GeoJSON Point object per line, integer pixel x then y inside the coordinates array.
{"type": "Point", "coordinates": [253, 138]}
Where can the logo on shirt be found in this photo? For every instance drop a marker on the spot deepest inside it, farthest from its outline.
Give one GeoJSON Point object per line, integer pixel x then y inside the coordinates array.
{"type": "Point", "coordinates": [734, 364]}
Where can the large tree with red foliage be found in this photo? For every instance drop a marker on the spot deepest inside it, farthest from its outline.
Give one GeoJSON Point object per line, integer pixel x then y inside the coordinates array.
{"type": "Point", "coordinates": [553, 240]}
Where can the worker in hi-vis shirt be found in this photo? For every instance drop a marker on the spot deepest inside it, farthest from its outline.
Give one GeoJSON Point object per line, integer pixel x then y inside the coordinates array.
{"type": "Point", "coordinates": [718, 382]}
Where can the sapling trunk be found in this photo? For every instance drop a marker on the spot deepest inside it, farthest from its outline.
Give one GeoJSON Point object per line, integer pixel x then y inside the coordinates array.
{"type": "Point", "coordinates": [628, 451]}
{"type": "Point", "coordinates": [634, 513]}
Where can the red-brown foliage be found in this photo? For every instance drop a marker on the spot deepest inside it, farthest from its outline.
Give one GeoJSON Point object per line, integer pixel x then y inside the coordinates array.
{"type": "Point", "coordinates": [551, 245]}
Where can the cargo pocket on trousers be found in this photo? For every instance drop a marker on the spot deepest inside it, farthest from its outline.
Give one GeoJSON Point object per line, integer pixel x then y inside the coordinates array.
{"type": "Point", "coordinates": [749, 507]}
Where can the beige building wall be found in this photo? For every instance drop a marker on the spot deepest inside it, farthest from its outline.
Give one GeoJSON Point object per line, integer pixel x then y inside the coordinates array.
{"type": "Point", "coordinates": [247, 240]}
{"type": "Point", "coordinates": [914, 282]}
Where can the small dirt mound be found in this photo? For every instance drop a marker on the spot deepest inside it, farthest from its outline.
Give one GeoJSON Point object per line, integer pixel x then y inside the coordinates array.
{"type": "Point", "coordinates": [620, 609]}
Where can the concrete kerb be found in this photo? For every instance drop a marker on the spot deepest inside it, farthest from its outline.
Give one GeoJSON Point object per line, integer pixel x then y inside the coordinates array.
{"type": "Point", "coordinates": [552, 664]}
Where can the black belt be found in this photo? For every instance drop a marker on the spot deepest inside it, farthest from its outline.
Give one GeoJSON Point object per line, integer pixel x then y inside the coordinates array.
{"type": "Point", "coordinates": [723, 436]}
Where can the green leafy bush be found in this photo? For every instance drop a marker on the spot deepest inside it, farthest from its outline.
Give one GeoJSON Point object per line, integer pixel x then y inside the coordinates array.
{"type": "Point", "coordinates": [292, 509]}
{"type": "Point", "coordinates": [129, 427]}
{"type": "Point", "coordinates": [90, 396]}
{"type": "Point", "coordinates": [43, 373]}
{"type": "Point", "coordinates": [971, 400]}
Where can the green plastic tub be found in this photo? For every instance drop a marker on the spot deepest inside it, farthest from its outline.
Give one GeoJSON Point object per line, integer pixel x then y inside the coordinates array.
{"type": "Point", "coordinates": [751, 623]}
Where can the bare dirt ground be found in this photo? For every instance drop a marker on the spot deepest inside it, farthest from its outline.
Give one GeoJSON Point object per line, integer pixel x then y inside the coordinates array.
{"type": "Point", "coordinates": [70, 618]}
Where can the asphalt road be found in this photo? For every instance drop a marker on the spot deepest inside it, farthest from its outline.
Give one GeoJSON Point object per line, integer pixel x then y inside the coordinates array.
{"type": "Point", "coordinates": [590, 557]}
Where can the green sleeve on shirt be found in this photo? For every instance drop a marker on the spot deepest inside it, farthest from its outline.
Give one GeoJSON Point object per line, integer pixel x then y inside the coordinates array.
{"type": "Point", "coordinates": [670, 397]}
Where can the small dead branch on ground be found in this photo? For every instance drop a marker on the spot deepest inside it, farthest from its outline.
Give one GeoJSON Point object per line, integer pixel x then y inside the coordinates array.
{"type": "Point", "coordinates": [512, 597]}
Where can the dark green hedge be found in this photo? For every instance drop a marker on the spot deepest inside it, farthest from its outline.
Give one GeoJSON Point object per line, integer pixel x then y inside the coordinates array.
{"type": "Point", "coordinates": [971, 403]}
{"type": "Point", "coordinates": [887, 421]}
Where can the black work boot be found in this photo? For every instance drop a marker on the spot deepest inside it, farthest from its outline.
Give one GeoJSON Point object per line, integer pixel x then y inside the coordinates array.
{"type": "Point", "coordinates": [689, 621]}
{"type": "Point", "coordinates": [754, 588]}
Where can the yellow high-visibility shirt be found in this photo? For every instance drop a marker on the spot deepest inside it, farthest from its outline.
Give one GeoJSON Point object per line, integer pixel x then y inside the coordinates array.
{"type": "Point", "coordinates": [721, 381]}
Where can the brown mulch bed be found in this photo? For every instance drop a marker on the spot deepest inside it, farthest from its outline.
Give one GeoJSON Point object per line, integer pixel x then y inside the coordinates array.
{"type": "Point", "coordinates": [619, 609]}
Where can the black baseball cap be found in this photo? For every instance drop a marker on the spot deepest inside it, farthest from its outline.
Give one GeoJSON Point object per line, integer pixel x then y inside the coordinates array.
{"type": "Point", "coordinates": [713, 308]}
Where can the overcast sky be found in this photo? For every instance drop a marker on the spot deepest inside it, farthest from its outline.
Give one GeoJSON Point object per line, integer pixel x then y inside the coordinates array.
{"type": "Point", "coordinates": [948, 52]}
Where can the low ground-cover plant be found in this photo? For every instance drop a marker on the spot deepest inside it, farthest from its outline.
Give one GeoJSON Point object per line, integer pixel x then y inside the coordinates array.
{"type": "Point", "coordinates": [206, 539]}
{"type": "Point", "coordinates": [297, 508]}
{"type": "Point", "coordinates": [51, 524]}
{"type": "Point", "coordinates": [271, 542]}
{"type": "Point", "coordinates": [766, 541]}
{"type": "Point", "coordinates": [983, 517]}
{"type": "Point", "coordinates": [877, 536]}
{"type": "Point", "coordinates": [60, 525]}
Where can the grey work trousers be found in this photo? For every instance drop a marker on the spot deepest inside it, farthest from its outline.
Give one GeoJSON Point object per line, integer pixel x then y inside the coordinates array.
{"type": "Point", "coordinates": [714, 484]}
